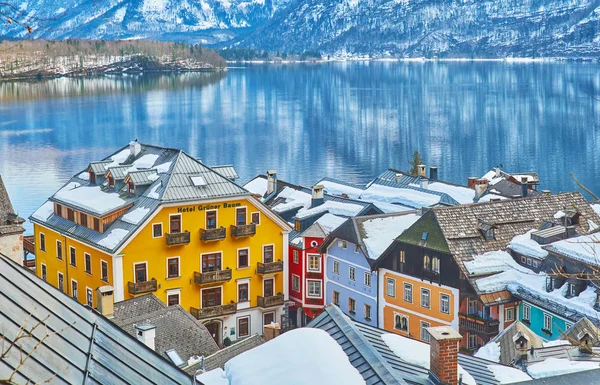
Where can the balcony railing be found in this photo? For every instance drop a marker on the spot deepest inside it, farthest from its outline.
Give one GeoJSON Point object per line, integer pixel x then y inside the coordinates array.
{"type": "Point", "coordinates": [275, 300]}
{"type": "Point", "coordinates": [176, 239]}
{"type": "Point", "coordinates": [269, 268]}
{"type": "Point", "coordinates": [209, 235]}
{"type": "Point", "coordinates": [214, 311]}
{"type": "Point", "coordinates": [243, 230]}
{"type": "Point", "coordinates": [212, 276]}
{"type": "Point", "coordinates": [141, 287]}
{"type": "Point", "coordinates": [478, 325]}
{"type": "Point", "coordinates": [430, 275]}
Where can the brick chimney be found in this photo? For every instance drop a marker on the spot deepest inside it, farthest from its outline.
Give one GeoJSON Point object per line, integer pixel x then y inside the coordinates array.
{"type": "Point", "coordinates": [105, 301]}
{"type": "Point", "coordinates": [271, 181]}
{"type": "Point", "coordinates": [271, 331]}
{"type": "Point", "coordinates": [443, 350]}
{"type": "Point", "coordinates": [471, 182]}
{"type": "Point", "coordinates": [317, 195]}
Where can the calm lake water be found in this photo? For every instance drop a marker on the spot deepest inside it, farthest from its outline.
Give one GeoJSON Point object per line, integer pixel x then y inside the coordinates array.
{"type": "Point", "coordinates": [344, 120]}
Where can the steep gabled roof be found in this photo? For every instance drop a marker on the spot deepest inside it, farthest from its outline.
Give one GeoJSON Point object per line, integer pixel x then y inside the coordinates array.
{"type": "Point", "coordinates": [584, 324]}
{"type": "Point", "coordinates": [506, 340]}
{"type": "Point", "coordinates": [9, 221]}
{"type": "Point", "coordinates": [314, 231]}
{"type": "Point", "coordinates": [86, 349]}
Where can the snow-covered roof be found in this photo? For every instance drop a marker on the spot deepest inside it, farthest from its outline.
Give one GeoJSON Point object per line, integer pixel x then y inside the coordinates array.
{"type": "Point", "coordinates": [492, 262]}
{"type": "Point", "coordinates": [257, 186]}
{"type": "Point", "coordinates": [523, 244]}
{"type": "Point", "coordinates": [558, 366]}
{"type": "Point", "coordinates": [378, 232]}
{"type": "Point", "coordinates": [584, 248]}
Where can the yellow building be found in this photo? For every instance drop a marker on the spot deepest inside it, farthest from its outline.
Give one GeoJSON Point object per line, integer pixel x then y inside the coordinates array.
{"type": "Point", "coordinates": [152, 219]}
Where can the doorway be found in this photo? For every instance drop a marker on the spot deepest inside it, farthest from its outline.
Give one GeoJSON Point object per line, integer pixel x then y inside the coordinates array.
{"type": "Point", "coordinates": [214, 328]}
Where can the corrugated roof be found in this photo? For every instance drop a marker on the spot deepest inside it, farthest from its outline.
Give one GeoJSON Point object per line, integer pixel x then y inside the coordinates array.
{"type": "Point", "coordinates": [143, 177]}
{"type": "Point", "coordinates": [228, 171]}
{"type": "Point", "coordinates": [86, 347]}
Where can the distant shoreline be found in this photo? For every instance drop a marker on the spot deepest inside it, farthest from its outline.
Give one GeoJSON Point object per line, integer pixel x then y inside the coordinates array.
{"type": "Point", "coordinates": [421, 60]}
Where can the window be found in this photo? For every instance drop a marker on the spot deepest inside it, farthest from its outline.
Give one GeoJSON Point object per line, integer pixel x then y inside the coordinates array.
{"type": "Point", "coordinates": [268, 254]}
{"type": "Point", "coordinates": [390, 287]}
{"type": "Point", "coordinates": [526, 312]}
{"type": "Point", "coordinates": [61, 282]}
{"type": "Point", "coordinates": [408, 293]}
{"type": "Point", "coordinates": [356, 248]}
{"type": "Point", "coordinates": [295, 253]}
{"type": "Point", "coordinates": [314, 244]}
{"type": "Point", "coordinates": [58, 210]}
{"type": "Point", "coordinates": [211, 219]}
{"type": "Point", "coordinates": [87, 261]}
{"type": "Point", "coordinates": [367, 279]}
{"type": "Point", "coordinates": [211, 262]}
{"type": "Point", "coordinates": [402, 256]}
{"type": "Point", "coordinates": [548, 322]}
{"type": "Point", "coordinates": [172, 267]}
{"type": "Point", "coordinates": [240, 216]}
{"type": "Point", "coordinates": [445, 303]}
{"type": "Point", "coordinates": [89, 297]}
{"type": "Point", "coordinates": [568, 325]}
{"type": "Point", "coordinates": [211, 297]}
{"type": "Point", "coordinates": [175, 223]}
{"type": "Point", "coordinates": [74, 288]}
{"type": "Point", "coordinates": [255, 218]}
{"type": "Point", "coordinates": [352, 273]}
{"type": "Point", "coordinates": [59, 250]}
{"type": "Point", "coordinates": [104, 271]}
{"type": "Point", "coordinates": [268, 288]}
{"type": "Point", "coordinates": [97, 224]}
{"type": "Point", "coordinates": [368, 312]}
{"type": "Point", "coordinates": [242, 292]}
{"type": "Point", "coordinates": [243, 260]}
{"type": "Point", "coordinates": [44, 273]}
{"type": "Point", "coordinates": [336, 298]}
{"type": "Point", "coordinates": [425, 298]}
{"type": "Point", "coordinates": [313, 288]}
{"type": "Point", "coordinates": [351, 306]}
{"type": "Point", "coordinates": [528, 261]}
{"type": "Point", "coordinates": [157, 230]}
{"type": "Point", "coordinates": [424, 332]}
{"type": "Point", "coordinates": [243, 326]}
{"type": "Point", "coordinates": [523, 260]}
{"type": "Point", "coordinates": [426, 262]}
{"type": "Point", "coordinates": [298, 225]}
{"type": "Point", "coordinates": [83, 219]}
{"type": "Point", "coordinates": [401, 322]}
{"type": "Point", "coordinates": [173, 299]}
{"type": "Point", "coordinates": [472, 306]}
{"type": "Point", "coordinates": [72, 256]}
{"type": "Point", "coordinates": [535, 264]}
{"type": "Point", "coordinates": [42, 242]}
{"type": "Point", "coordinates": [111, 181]}
{"type": "Point", "coordinates": [268, 318]}
{"type": "Point", "coordinates": [140, 273]}
{"type": "Point", "coordinates": [472, 341]}
{"type": "Point", "coordinates": [314, 262]}
{"type": "Point", "coordinates": [71, 215]}
{"type": "Point", "coordinates": [343, 244]}
{"type": "Point", "coordinates": [295, 282]}
{"type": "Point", "coordinates": [435, 265]}
{"type": "Point", "coordinates": [336, 267]}
{"type": "Point", "coordinates": [509, 314]}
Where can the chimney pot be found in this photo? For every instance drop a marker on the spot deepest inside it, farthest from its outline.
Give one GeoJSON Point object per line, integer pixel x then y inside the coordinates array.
{"type": "Point", "coordinates": [433, 173]}
{"type": "Point", "coordinates": [105, 301]}
{"type": "Point", "coordinates": [146, 334]}
{"type": "Point", "coordinates": [481, 186]}
{"type": "Point", "coordinates": [471, 182]}
{"type": "Point", "coordinates": [524, 189]}
{"type": "Point", "coordinates": [271, 181]}
{"type": "Point", "coordinates": [399, 178]}
{"type": "Point", "coordinates": [134, 148]}
{"type": "Point", "coordinates": [422, 169]}
{"type": "Point", "coordinates": [317, 195]}
{"type": "Point", "coordinates": [546, 192]}
{"type": "Point", "coordinates": [424, 183]}
{"type": "Point", "coordinates": [444, 342]}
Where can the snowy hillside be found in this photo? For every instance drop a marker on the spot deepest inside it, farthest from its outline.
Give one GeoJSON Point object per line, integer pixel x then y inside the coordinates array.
{"type": "Point", "coordinates": [444, 28]}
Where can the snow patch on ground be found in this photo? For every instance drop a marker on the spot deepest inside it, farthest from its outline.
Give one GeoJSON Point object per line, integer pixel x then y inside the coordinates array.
{"type": "Point", "coordinates": [44, 212]}
{"type": "Point", "coordinates": [136, 215]}
{"type": "Point", "coordinates": [113, 238]}
{"type": "Point", "coordinates": [489, 351]}
{"type": "Point", "coordinates": [379, 233]}
{"type": "Point", "coordinates": [507, 375]}
{"type": "Point", "coordinates": [557, 366]}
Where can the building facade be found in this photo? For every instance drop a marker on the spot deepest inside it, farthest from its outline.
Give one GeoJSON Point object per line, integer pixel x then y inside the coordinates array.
{"type": "Point", "coordinates": [11, 228]}
{"type": "Point", "coordinates": [151, 219]}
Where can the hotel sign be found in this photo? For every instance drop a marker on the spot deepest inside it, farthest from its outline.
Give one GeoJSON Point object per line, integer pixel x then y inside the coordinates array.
{"type": "Point", "coordinates": [190, 209]}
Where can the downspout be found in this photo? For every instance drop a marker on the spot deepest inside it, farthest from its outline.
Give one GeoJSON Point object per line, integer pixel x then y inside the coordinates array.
{"type": "Point", "coordinates": [66, 263]}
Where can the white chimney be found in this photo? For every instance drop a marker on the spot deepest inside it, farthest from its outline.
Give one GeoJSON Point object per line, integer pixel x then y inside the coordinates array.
{"type": "Point", "coordinates": [134, 148]}
{"type": "Point", "coordinates": [145, 334]}
{"type": "Point", "coordinates": [399, 178]}
{"type": "Point", "coordinates": [481, 186]}
{"type": "Point", "coordinates": [424, 183]}
{"type": "Point", "coordinates": [422, 170]}
{"type": "Point", "coordinates": [271, 181]}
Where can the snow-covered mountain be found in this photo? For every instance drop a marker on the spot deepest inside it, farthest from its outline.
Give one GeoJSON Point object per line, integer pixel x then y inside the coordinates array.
{"type": "Point", "coordinates": [443, 28]}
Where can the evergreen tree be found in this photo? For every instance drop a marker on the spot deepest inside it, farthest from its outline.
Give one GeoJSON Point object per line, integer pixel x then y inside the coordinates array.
{"type": "Point", "coordinates": [417, 160]}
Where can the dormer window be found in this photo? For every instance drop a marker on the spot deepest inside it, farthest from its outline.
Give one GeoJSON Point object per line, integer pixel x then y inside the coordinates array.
{"type": "Point", "coordinates": [92, 177]}
{"type": "Point", "coordinates": [486, 229]}
{"type": "Point", "coordinates": [131, 187]}
{"type": "Point", "coordinates": [111, 181]}
{"type": "Point", "coordinates": [71, 215]}
{"type": "Point", "coordinates": [426, 262]}
{"type": "Point", "coordinates": [58, 209]}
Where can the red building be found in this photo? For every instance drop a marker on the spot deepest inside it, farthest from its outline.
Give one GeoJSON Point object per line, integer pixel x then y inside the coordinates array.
{"type": "Point", "coordinates": [307, 275]}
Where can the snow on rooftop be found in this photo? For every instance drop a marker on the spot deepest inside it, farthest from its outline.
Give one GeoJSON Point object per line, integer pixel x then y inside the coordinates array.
{"type": "Point", "coordinates": [559, 214]}
{"type": "Point", "coordinates": [153, 194]}
{"type": "Point", "coordinates": [213, 377]}
{"type": "Point", "coordinates": [493, 262]}
{"type": "Point", "coordinates": [379, 233]}
{"type": "Point", "coordinates": [163, 167]}
{"type": "Point", "coordinates": [585, 248]}
{"type": "Point", "coordinates": [153, 177]}
{"type": "Point", "coordinates": [293, 199]}
{"type": "Point", "coordinates": [84, 175]}
{"type": "Point", "coordinates": [548, 344]}
{"type": "Point", "coordinates": [146, 161]}
{"type": "Point", "coordinates": [489, 351]}
{"type": "Point", "coordinates": [462, 195]}
{"type": "Point", "coordinates": [508, 375]}
{"type": "Point", "coordinates": [304, 356]}
{"type": "Point", "coordinates": [334, 188]}
{"type": "Point", "coordinates": [523, 244]}
{"type": "Point", "coordinates": [257, 186]}
{"type": "Point", "coordinates": [44, 212]}
{"type": "Point", "coordinates": [403, 196]}
{"type": "Point", "coordinates": [596, 208]}
{"type": "Point", "coordinates": [118, 158]}
{"type": "Point", "coordinates": [417, 353]}
{"type": "Point", "coordinates": [330, 222]}
{"type": "Point", "coordinates": [557, 366]}
{"type": "Point", "coordinates": [389, 208]}
{"type": "Point", "coordinates": [333, 207]}
{"type": "Point", "coordinates": [492, 177]}
{"type": "Point", "coordinates": [113, 238]}
{"type": "Point", "coordinates": [90, 198]}
{"type": "Point", "coordinates": [134, 217]}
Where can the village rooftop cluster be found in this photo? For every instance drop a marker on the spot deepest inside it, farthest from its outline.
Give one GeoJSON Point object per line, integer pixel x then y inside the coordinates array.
{"type": "Point", "coordinates": [151, 267]}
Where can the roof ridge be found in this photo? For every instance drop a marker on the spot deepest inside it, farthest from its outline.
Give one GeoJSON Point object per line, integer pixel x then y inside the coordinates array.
{"type": "Point", "coordinates": [170, 176]}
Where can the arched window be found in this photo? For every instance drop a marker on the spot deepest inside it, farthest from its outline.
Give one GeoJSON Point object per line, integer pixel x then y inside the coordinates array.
{"type": "Point", "coordinates": [401, 322]}
{"type": "Point", "coordinates": [426, 262]}
{"type": "Point", "coordinates": [435, 264]}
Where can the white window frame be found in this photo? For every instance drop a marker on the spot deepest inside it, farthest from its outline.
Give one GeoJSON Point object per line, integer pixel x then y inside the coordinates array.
{"type": "Point", "coordinates": [408, 286]}
{"type": "Point", "coordinates": [470, 344]}
{"type": "Point", "coordinates": [535, 264]}
{"type": "Point", "coordinates": [58, 282]}
{"type": "Point", "coordinates": [237, 290]}
{"type": "Point", "coordinates": [509, 311]}
{"type": "Point", "coordinates": [85, 263]}
{"type": "Point", "coordinates": [170, 293]}
{"type": "Point", "coordinates": [88, 291]}
{"type": "Point", "coordinates": [424, 333]}
{"type": "Point", "coordinates": [308, 288]}
{"type": "Point", "coordinates": [259, 220]}
{"type": "Point", "coordinates": [296, 254]}
{"type": "Point", "coordinates": [180, 222]}
{"type": "Point", "coordinates": [76, 296]}
{"type": "Point", "coordinates": [423, 291]}
{"type": "Point", "coordinates": [216, 218]}
{"type": "Point", "coordinates": [162, 233]}
{"type": "Point", "coordinates": [269, 312]}
{"type": "Point", "coordinates": [365, 311]}
{"type": "Point", "coordinates": [61, 250]}
{"type": "Point", "coordinates": [435, 265]}
{"type": "Point", "coordinates": [103, 262]}
{"type": "Point", "coordinates": [314, 244]}
{"type": "Point", "coordinates": [237, 325]}
{"type": "Point", "coordinates": [237, 258]}
{"type": "Point", "coordinates": [526, 312]}
{"type": "Point", "coordinates": [356, 249]}
{"type": "Point", "coordinates": [342, 244]}
{"type": "Point", "coordinates": [523, 259]}
{"type": "Point", "coordinates": [295, 278]}
{"type": "Point", "coordinates": [568, 325]}
{"type": "Point", "coordinates": [147, 272]}
{"type": "Point", "coordinates": [367, 279]}
{"type": "Point", "coordinates": [42, 235]}
{"type": "Point", "coordinates": [390, 283]}
{"type": "Point", "coordinates": [549, 323]}
{"type": "Point", "coordinates": [528, 261]}
{"type": "Point", "coordinates": [247, 212]}
{"type": "Point", "coordinates": [336, 267]}
{"type": "Point", "coordinates": [352, 273]}
{"type": "Point", "coordinates": [263, 252]}
{"type": "Point", "coordinates": [444, 298]}
{"type": "Point", "coordinates": [43, 269]}
{"type": "Point", "coordinates": [354, 302]}
{"type": "Point", "coordinates": [178, 267]}
{"type": "Point", "coordinates": [407, 322]}
{"type": "Point", "coordinates": [75, 253]}
{"type": "Point", "coordinates": [309, 260]}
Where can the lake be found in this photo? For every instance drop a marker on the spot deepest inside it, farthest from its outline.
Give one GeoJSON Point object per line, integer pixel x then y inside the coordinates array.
{"type": "Point", "coordinates": [348, 120]}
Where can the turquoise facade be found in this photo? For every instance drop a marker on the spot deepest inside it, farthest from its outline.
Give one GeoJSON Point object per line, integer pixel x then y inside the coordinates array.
{"type": "Point", "coordinates": [536, 321]}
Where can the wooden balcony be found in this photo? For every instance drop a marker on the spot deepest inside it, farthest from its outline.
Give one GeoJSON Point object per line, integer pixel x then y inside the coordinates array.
{"type": "Point", "coordinates": [243, 230]}
{"type": "Point", "coordinates": [275, 300]}
{"type": "Point", "coordinates": [269, 268]}
{"type": "Point", "coordinates": [141, 287]}
{"type": "Point", "coordinates": [210, 235]}
{"type": "Point", "coordinates": [214, 311]}
{"type": "Point", "coordinates": [212, 276]}
{"type": "Point", "coordinates": [478, 325]}
{"type": "Point", "coordinates": [176, 239]}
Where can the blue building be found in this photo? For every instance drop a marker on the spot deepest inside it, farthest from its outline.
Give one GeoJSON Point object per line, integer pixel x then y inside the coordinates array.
{"type": "Point", "coordinates": [350, 253]}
